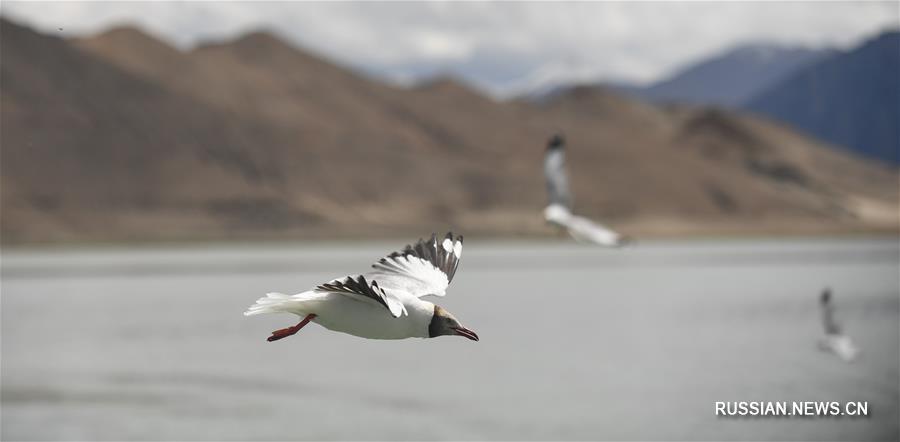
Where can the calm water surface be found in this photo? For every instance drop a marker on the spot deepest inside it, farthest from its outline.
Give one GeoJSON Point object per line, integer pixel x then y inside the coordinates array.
{"type": "Point", "coordinates": [577, 343]}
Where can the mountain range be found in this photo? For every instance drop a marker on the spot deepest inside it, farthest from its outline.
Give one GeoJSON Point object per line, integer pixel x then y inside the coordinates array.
{"type": "Point", "coordinates": [850, 99]}
{"type": "Point", "coordinates": [729, 79]}
{"type": "Point", "coordinates": [122, 137]}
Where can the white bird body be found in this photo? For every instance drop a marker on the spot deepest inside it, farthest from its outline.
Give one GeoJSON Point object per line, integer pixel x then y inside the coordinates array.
{"type": "Point", "coordinates": [384, 303]}
{"type": "Point", "coordinates": [345, 314]}
{"type": "Point", "coordinates": [557, 179]}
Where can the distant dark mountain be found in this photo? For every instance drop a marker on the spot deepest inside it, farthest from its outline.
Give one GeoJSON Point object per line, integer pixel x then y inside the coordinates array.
{"type": "Point", "coordinates": [728, 79]}
{"type": "Point", "coordinates": [851, 99]}
{"type": "Point", "coordinates": [731, 78]}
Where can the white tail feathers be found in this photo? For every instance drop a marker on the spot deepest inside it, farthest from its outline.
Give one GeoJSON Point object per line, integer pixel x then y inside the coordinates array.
{"type": "Point", "coordinates": [272, 303]}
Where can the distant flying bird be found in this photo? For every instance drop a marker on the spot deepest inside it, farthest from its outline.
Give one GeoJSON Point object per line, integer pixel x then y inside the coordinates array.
{"type": "Point", "coordinates": [384, 303]}
{"type": "Point", "coordinates": [559, 211]}
{"type": "Point", "coordinates": [835, 340]}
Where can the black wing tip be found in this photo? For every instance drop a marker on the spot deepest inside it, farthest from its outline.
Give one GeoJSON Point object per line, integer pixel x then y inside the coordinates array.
{"type": "Point", "coordinates": [443, 256]}
{"type": "Point", "coordinates": [459, 239]}
{"type": "Point", "coordinates": [451, 237]}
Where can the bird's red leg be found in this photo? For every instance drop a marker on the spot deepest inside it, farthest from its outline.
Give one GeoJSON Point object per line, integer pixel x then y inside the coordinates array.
{"type": "Point", "coordinates": [285, 332]}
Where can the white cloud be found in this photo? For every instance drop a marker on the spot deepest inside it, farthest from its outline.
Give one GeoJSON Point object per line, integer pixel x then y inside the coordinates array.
{"type": "Point", "coordinates": [495, 45]}
{"type": "Point", "coordinates": [440, 46]}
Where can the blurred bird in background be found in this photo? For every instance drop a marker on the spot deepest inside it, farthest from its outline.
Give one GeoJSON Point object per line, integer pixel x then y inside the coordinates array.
{"type": "Point", "coordinates": [559, 210]}
{"type": "Point", "coordinates": [835, 340]}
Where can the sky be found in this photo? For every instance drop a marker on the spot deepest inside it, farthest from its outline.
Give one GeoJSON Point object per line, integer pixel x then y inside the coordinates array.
{"type": "Point", "coordinates": [503, 48]}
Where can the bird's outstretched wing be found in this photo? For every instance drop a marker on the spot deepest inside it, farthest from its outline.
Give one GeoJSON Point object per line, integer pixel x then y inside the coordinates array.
{"type": "Point", "coordinates": [362, 289]}
{"type": "Point", "coordinates": [586, 230]}
{"type": "Point", "coordinates": [425, 268]}
{"type": "Point", "coordinates": [555, 173]}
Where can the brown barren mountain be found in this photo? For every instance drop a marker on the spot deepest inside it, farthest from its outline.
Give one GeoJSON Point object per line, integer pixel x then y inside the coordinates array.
{"type": "Point", "coordinates": [122, 137]}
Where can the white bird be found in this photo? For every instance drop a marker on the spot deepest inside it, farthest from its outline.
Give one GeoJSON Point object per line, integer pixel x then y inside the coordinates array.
{"type": "Point", "coordinates": [559, 211]}
{"type": "Point", "coordinates": [384, 303]}
{"type": "Point", "coordinates": [835, 340]}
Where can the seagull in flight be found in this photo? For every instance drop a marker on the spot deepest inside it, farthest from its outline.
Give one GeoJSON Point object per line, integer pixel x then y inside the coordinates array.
{"type": "Point", "coordinates": [835, 340]}
{"type": "Point", "coordinates": [559, 211]}
{"type": "Point", "coordinates": [384, 303]}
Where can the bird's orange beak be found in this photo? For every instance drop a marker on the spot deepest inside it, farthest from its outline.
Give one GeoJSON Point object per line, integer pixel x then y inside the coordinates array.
{"type": "Point", "coordinates": [466, 333]}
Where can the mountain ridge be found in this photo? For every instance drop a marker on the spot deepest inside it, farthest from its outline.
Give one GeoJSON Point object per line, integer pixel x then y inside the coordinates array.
{"type": "Point", "coordinates": [727, 78]}
{"type": "Point", "coordinates": [732, 77]}
{"type": "Point", "coordinates": [212, 144]}
{"type": "Point", "coordinates": [851, 99]}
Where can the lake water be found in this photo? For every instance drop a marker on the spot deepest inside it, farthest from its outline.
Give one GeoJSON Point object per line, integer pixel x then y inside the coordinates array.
{"type": "Point", "coordinates": [576, 343]}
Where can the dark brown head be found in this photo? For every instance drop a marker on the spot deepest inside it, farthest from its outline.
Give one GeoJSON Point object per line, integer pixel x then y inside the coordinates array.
{"type": "Point", "coordinates": [443, 323]}
{"type": "Point", "coordinates": [825, 297]}
{"type": "Point", "coordinates": [556, 142]}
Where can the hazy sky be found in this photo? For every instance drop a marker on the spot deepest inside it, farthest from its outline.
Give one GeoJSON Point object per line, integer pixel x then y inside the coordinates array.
{"type": "Point", "coordinates": [501, 47]}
